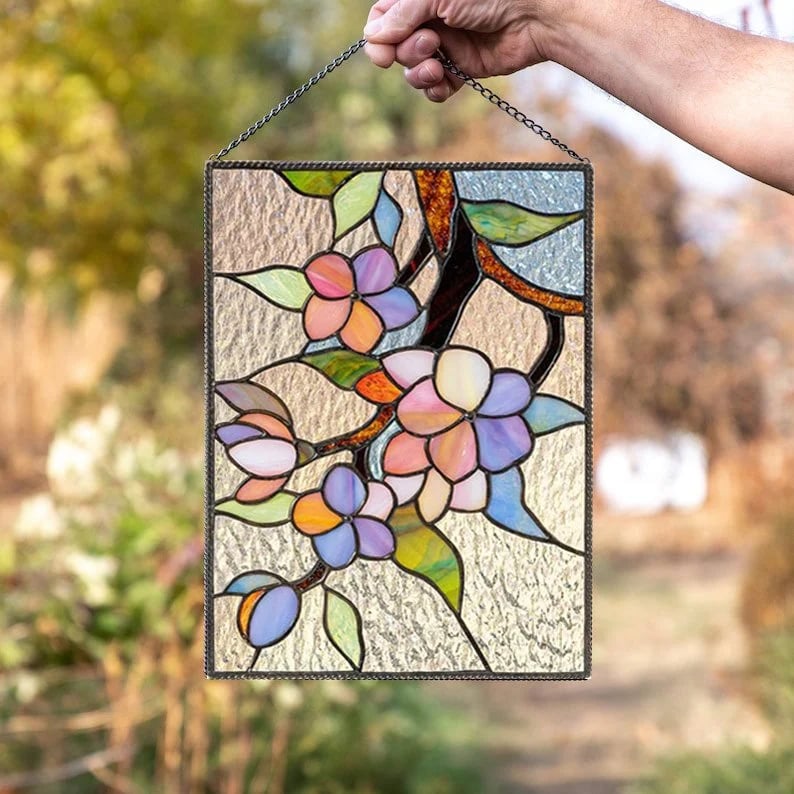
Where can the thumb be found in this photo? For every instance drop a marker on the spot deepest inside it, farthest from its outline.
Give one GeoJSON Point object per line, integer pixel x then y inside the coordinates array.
{"type": "Point", "coordinates": [398, 20]}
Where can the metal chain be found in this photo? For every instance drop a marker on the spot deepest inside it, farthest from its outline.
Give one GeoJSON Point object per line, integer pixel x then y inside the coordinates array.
{"type": "Point", "coordinates": [512, 111]}
{"type": "Point", "coordinates": [288, 100]}
{"type": "Point", "coordinates": [492, 97]}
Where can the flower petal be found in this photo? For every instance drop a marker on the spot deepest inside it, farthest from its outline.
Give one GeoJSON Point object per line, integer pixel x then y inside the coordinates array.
{"type": "Point", "coordinates": [323, 318]}
{"type": "Point", "coordinates": [235, 433]}
{"type": "Point", "coordinates": [462, 377]}
{"type": "Point", "coordinates": [312, 516]}
{"type": "Point", "coordinates": [502, 442]}
{"type": "Point", "coordinates": [330, 275]}
{"type": "Point", "coordinates": [264, 457]}
{"type": "Point", "coordinates": [396, 307]}
{"type": "Point", "coordinates": [380, 501]}
{"type": "Point", "coordinates": [434, 497]}
{"type": "Point", "coordinates": [270, 424]}
{"type": "Point", "coordinates": [406, 367]}
{"type": "Point", "coordinates": [423, 412]}
{"type": "Point", "coordinates": [273, 615]}
{"type": "Point", "coordinates": [336, 548]}
{"type": "Point", "coordinates": [405, 488]}
{"type": "Point", "coordinates": [405, 454]}
{"type": "Point", "coordinates": [375, 539]}
{"type": "Point", "coordinates": [363, 328]}
{"type": "Point", "coordinates": [509, 394]}
{"type": "Point", "coordinates": [344, 490]}
{"type": "Point", "coordinates": [454, 452]}
{"type": "Point", "coordinates": [470, 494]}
{"type": "Point", "coordinates": [375, 270]}
{"type": "Point", "coordinates": [256, 490]}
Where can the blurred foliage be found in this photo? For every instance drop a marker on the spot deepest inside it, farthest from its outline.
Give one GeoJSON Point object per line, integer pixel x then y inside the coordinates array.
{"type": "Point", "coordinates": [768, 613]}
{"type": "Point", "coordinates": [102, 666]}
{"type": "Point", "coordinates": [109, 109]}
{"type": "Point", "coordinates": [742, 771]}
{"type": "Point", "coordinates": [768, 592]}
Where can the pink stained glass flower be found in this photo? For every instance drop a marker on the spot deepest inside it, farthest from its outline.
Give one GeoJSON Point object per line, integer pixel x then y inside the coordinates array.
{"type": "Point", "coordinates": [346, 518]}
{"type": "Point", "coordinates": [264, 447]}
{"type": "Point", "coordinates": [461, 420]}
{"type": "Point", "coordinates": [356, 299]}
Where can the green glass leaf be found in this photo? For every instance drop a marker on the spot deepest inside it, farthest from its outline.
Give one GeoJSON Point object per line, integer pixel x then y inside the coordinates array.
{"type": "Point", "coordinates": [316, 183]}
{"type": "Point", "coordinates": [508, 224]}
{"type": "Point", "coordinates": [270, 513]}
{"type": "Point", "coordinates": [343, 627]}
{"type": "Point", "coordinates": [246, 396]}
{"type": "Point", "coordinates": [344, 367]}
{"type": "Point", "coordinates": [547, 413]}
{"type": "Point", "coordinates": [355, 200]}
{"type": "Point", "coordinates": [422, 550]}
{"type": "Point", "coordinates": [247, 582]}
{"type": "Point", "coordinates": [287, 287]}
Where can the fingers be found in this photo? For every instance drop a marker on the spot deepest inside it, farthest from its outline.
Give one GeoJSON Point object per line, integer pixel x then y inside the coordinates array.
{"type": "Point", "coordinates": [382, 55]}
{"type": "Point", "coordinates": [417, 48]}
{"type": "Point", "coordinates": [393, 21]}
{"type": "Point", "coordinates": [442, 91]}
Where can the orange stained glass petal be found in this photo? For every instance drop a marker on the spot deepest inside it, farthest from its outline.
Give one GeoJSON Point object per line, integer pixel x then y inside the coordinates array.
{"type": "Point", "coordinates": [437, 194]}
{"type": "Point", "coordinates": [323, 318]}
{"type": "Point", "coordinates": [502, 274]}
{"type": "Point", "coordinates": [434, 497]}
{"type": "Point", "coordinates": [377, 388]}
{"type": "Point", "coordinates": [331, 276]}
{"type": "Point", "coordinates": [312, 516]}
{"type": "Point", "coordinates": [363, 328]}
{"type": "Point", "coordinates": [246, 608]}
{"type": "Point", "coordinates": [454, 452]}
{"type": "Point", "coordinates": [405, 454]}
{"type": "Point", "coordinates": [270, 424]}
{"type": "Point", "coordinates": [256, 490]}
{"type": "Point", "coordinates": [422, 412]}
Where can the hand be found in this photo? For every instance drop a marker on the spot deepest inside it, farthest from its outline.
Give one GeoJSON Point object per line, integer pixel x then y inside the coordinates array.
{"type": "Point", "coordinates": [483, 37]}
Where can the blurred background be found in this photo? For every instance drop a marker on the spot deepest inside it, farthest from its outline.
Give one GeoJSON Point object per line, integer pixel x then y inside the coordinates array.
{"type": "Point", "coordinates": [108, 110]}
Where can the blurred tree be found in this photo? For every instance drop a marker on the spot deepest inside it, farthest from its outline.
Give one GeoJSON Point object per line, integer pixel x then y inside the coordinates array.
{"type": "Point", "coordinates": [108, 110]}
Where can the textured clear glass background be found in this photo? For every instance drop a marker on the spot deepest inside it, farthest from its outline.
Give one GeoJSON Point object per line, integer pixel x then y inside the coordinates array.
{"type": "Point", "coordinates": [523, 600]}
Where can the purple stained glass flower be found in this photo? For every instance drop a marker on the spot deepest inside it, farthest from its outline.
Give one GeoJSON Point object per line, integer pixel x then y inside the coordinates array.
{"type": "Point", "coordinates": [356, 299]}
{"type": "Point", "coordinates": [347, 517]}
{"type": "Point", "coordinates": [461, 421]}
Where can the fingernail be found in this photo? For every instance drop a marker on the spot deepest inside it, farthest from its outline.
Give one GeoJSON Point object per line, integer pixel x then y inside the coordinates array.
{"type": "Point", "coordinates": [425, 46]}
{"type": "Point", "coordinates": [372, 27]}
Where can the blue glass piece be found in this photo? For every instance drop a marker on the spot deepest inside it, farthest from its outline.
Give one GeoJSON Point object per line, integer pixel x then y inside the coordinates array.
{"type": "Point", "coordinates": [541, 191]}
{"type": "Point", "coordinates": [337, 547]}
{"type": "Point", "coordinates": [248, 582]}
{"type": "Point", "coordinates": [388, 218]}
{"type": "Point", "coordinates": [332, 343]}
{"type": "Point", "coordinates": [402, 337]}
{"type": "Point", "coordinates": [273, 616]}
{"type": "Point", "coordinates": [501, 441]}
{"type": "Point", "coordinates": [555, 262]}
{"type": "Point", "coordinates": [506, 504]}
{"type": "Point", "coordinates": [377, 446]}
{"type": "Point", "coordinates": [546, 414]}
{"type": "Point", "coordinates": [233, 434]}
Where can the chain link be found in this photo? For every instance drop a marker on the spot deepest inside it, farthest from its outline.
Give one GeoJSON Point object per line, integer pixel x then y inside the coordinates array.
{"type": "Point", "coordinates": [491, 96]}
{"type": "Point", "coordinates": [512, 111]}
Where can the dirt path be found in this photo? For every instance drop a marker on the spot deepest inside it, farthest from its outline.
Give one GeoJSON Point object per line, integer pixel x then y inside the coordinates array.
{"type": "Point", "coordinates": [668, 656]}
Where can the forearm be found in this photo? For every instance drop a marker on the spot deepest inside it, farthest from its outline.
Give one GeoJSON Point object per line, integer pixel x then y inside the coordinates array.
{"type": "Point", "coordinates": [728, 93]}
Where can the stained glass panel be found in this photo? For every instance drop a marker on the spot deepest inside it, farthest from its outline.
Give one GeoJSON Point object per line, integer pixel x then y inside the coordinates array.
{"type": "Point", "coordinates": [399, 420]}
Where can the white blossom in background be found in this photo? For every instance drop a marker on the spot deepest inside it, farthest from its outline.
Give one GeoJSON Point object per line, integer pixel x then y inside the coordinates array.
{"type": "Point", "coordinates": [647, 475]}
{"type": "Point", "coordinates": [38, 519]}
{"type": "Point", "coordinates": [78, 453]}
{"type": "Point", "coordinates": [94, 573]}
